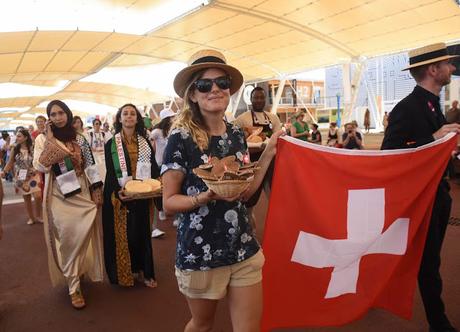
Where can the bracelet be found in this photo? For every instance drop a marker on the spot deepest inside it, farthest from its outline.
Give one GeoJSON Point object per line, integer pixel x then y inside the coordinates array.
{"type": "Point", "coordinates": [195, 201]}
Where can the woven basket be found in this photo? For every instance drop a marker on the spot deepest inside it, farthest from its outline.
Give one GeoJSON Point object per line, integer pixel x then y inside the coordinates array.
{"type": "Point", "coordinates": [228, 188]}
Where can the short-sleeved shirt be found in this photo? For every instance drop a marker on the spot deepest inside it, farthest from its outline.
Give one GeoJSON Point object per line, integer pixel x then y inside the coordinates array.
{"type": "Point", "coordinates": [160, 144]}
{"type": "Point", "coordinates": [219, 233]}
{"type": "Point", "coordinates": [316, 137]}
{"type": "Point", "coordinates": [301, 128]}
{"type": "Point", "coordinates": [352, 144]}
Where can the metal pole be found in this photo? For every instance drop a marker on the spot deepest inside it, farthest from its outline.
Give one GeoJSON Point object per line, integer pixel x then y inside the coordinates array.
{"type": "Point", "coordinates": [278, 95]}
{"type": "Point", "coordinates": [339, 120]}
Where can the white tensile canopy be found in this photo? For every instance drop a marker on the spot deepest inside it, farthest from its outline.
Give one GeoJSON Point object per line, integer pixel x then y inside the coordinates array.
{"type": "Point", "coordinates": [110, 52]}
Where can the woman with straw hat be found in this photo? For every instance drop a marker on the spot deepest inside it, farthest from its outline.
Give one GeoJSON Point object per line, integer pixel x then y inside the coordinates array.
{"type": "Point", "coordinates": [216, 250]}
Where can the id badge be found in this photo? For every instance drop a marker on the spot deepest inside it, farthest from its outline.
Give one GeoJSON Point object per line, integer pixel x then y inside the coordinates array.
{"type": "Point", "coordinates": [143, 171]}
{"type": "Point", "coordinates": [68, 182]}
{"type": "Point", "coordinates": [92, 173]}
{"type": "Point", "coordinates": [22, 175]}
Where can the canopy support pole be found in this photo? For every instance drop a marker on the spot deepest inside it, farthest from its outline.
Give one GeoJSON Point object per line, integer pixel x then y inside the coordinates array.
{"type": "Point", "coordinates": [278, 95]}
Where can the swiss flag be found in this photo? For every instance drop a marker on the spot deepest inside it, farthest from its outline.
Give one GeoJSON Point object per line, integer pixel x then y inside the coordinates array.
{"type": "Point", "coordinates": [345, 231]}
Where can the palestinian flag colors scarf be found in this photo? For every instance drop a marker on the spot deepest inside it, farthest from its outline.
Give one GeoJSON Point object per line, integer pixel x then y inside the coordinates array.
{"type": "Point", "coordinates": [65, 173]}
{"type": "Point", "coordinates": [119, 157]}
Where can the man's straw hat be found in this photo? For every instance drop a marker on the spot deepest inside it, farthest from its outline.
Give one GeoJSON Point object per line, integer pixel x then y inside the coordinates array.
{"type": "Point", "coordinates": [206, 59]}
{"type": "Point", "coordinates": [428, 54]}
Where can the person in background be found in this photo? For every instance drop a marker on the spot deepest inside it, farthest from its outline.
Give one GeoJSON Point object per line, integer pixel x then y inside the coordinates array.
{"type": "Point", "coordinates": [126, 221]}
{"type": "Point", "coordinates": [159, 139]}
{"type": "Point", "coordinates": [72, 197]}
{"type": "Point", "coordinates": [97, 140]}
{"type": "Point", "coordinates": [77, 124]}
{"type": "Point", "coordinates": [453, 114]}
{"type": "Point", "coordinates": [217, 253]}
{"type": "Point", "coordinates": [333, 137]}
{"type": "Point", "coordinates": [40, 122]}
{"type": "Point", "coordinates": [385, 121]}
{"type": "Point", "coordinates": [415, 121]}
{"type": "Point", "coordinates": [367, 120]}
{"type": "Point", "coordinates": [257, 117]}
{"type": "Point", "coordinates": [351, 138]}
{"type": "Point", "coordinates": [26, 179]}
{"type": "Point", "coordinates": [5, 147]}
{"type": "Point", "coordinates": [315, 135]}
{"type": "Point", "coordinates": [299, 128]}
{"type": "Point", "coordinates": [107, 131]}
{"type": "Point", "coordinates": [358, 130]}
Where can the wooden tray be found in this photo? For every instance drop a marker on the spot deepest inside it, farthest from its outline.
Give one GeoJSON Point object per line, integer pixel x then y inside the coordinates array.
{"type": "Point", "coordinates": [148, 195]}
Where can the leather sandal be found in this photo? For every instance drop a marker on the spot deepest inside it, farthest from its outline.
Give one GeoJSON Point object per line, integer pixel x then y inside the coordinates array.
{"type": "Point", "coordinates": [78, 301]}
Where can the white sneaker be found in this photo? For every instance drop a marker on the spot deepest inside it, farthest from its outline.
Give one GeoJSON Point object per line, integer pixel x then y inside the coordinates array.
{"type": "Point", "coordinates": [176, 222]}
{"type": "Point", "coordinates": [30, 222]}
{"type": "Point", "coordinates": [162, 215]}
{"type": "Point", "coordinates": [157, 233]}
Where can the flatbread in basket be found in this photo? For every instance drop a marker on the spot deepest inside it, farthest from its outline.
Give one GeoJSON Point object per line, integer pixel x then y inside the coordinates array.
{"type": "Point", "coordinates": [226, 177]}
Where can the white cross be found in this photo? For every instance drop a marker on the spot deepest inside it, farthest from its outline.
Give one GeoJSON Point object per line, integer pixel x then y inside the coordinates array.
{"type": "Point", "coordinates": [365, 221]}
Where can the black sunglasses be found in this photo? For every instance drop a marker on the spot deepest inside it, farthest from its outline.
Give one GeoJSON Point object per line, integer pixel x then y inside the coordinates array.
{"type": "Point", "coordinates": [205, 84]}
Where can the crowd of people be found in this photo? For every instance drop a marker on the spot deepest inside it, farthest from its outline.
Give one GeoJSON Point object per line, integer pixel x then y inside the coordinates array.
{"type": "Point", "coordinates": [75, 174]}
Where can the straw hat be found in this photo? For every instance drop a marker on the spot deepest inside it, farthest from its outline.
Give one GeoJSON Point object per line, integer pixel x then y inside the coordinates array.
{"type": "Point", "coordinates": [206, 59]}
{"type": "Point", "coordinates": [428, 54]}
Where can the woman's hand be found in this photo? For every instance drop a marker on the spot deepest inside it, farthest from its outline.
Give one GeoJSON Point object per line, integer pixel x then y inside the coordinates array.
{"type": "Point", "coordinates": [212, 196]}
{"type": "Point", "coordinates": [123, 197]}
{"type": "Point", "coordinates": [48, 130]}
{"type": "Point", "coordinates": [271, 146]}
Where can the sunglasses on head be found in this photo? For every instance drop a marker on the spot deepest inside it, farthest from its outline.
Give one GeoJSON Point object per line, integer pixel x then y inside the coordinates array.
{"type": "Point", "coordinates": [205, 84]}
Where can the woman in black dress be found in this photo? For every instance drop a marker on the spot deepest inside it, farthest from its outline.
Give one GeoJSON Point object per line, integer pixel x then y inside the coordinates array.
{"type": "Point", "coordinates": [126, 222]}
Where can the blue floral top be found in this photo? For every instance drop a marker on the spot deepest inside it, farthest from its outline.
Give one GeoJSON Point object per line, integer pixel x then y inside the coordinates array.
{"type": "Point", "coordinates": [219, 233]}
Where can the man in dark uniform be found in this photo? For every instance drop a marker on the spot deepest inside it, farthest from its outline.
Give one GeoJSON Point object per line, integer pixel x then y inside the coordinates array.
{"type": "Point", "coordinates": [417, 120]}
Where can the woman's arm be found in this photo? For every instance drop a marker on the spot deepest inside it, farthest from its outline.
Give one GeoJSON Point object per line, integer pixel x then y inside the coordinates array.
{"type": "Point", "coordinates": [174, 201]}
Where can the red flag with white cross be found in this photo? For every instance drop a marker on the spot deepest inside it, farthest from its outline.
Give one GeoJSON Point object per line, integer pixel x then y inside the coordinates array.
{"type": "Point", "coordinates": [345, 231]}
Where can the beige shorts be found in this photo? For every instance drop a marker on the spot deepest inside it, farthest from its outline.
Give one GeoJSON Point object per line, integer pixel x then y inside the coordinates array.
{"type": "Point", "coordinates": [212, 284]}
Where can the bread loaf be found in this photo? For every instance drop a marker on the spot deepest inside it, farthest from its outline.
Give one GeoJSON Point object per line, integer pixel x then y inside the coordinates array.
{"type": "Point", "coordinates": [137, 187]}
{"type": "Point", "coordinates": [154, 184]}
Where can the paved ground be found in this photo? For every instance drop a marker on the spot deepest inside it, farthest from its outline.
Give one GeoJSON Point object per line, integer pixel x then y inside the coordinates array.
{"type": "Point", "coordinates": [29, 303]}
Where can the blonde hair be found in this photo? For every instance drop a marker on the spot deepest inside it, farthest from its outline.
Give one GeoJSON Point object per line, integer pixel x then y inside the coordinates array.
{"type": "Point", "coordinates": [191, 119]}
